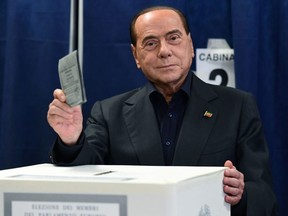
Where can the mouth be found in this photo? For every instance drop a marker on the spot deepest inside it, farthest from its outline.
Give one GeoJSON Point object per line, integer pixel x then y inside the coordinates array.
{"type": "Point", "coordinates": [166, 66]}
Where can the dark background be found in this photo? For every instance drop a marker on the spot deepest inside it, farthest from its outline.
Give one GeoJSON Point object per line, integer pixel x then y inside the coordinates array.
{"type": "Point", "coordinates": [35, 34]}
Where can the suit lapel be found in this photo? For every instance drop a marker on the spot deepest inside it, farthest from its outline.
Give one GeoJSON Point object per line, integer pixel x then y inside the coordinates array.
{"type": "Point", "coordinates": [144, 133]}
{"type": "Point", "coordinates": [143, 129]}
{"type": "Point", "coordinates": [196, 127]}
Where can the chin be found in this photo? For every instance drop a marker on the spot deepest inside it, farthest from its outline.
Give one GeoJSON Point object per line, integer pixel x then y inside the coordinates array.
{"type": "Point", "coordinates": [171, 79]}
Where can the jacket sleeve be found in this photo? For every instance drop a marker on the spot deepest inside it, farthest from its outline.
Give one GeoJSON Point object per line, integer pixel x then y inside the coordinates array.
{"type": "Point", "coordinates": [252, 159]}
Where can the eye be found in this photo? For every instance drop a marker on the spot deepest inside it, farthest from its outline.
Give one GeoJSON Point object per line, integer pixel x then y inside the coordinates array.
{"type": "Point", "coordinates": [150, 44]}
{"type": "Point", "coordinates": [174, 38]}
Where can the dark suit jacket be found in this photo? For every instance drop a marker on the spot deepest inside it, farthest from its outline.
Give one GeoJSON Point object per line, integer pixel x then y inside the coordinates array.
{"type": "Point", "coordinates": [124, 130]}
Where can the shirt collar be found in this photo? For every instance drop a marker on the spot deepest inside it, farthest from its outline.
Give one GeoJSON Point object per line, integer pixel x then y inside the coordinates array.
{"type": "Point", "coordinates": [185, 87]}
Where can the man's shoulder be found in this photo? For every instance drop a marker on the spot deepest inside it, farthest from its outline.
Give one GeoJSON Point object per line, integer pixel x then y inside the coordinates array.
{"type": "Point", "coordinates": [229, 91]}
{"type": "Point", "coordinates": [115, 103]}
{"type": "Point", "coordinates": [211, 91]}
{"type": "Point", "coordinates": [232, 97]}
{"type": "Point", "coordinates": [125, 97]}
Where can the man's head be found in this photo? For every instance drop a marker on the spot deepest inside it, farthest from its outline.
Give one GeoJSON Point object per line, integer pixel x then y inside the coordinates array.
{"type": "Point", "coordinates": [162, 46]}
{"type": "Point", "coordinates": [133, 36]}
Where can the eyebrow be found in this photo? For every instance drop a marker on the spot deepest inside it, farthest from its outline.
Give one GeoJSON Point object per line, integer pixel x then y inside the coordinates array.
{"type": "Point", "coordinates": [174, 32]}
{"type": "Point", "coordinates": [167, 34]}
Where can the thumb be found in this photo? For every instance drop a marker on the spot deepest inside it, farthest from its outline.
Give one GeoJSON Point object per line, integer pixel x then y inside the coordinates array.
{"type": "Point", "coordinates": [59, 94]}
{"type": "Point", "coordinates": [229, 164]}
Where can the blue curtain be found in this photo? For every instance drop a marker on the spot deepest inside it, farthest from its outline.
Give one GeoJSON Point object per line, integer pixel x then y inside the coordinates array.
{"type": "Point", "coordinates": [260, 33]}
{"type": "Point", "coordinates": [34, 35]}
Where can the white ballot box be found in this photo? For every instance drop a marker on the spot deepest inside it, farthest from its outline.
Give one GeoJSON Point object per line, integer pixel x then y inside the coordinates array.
{"type": "Point", "coordinates": [105, 190]}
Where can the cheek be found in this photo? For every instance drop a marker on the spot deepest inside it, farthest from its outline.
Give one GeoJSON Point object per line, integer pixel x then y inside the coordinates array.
{"type": "Point", "coordinates": [188, 56]}
{"type": "Point", "coordinates": [146, 60]}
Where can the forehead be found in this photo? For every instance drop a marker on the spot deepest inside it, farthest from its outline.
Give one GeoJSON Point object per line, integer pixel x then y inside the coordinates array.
{"type": "Point", "coordinates": [158, 21]}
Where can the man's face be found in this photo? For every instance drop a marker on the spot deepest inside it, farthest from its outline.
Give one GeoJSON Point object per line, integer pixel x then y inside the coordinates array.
{"type": "Point", "coordinates": [163, 51]}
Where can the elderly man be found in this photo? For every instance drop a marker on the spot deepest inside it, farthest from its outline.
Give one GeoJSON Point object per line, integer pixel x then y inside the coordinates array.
{"type": "Point", "coordinates": [175, 119]}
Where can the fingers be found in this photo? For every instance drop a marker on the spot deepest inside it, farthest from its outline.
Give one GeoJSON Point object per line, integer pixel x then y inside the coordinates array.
{"type": "Point", "coordinates": [58, 113]}
{"type": "Point", "coordinates": [58, 110]}
{"type": "Point", "coordinates": [56, 107]}
{"type": "Point", "coordinates": [233, 200]}
{"type": "Point", "coordinates": [233, 184]}
{"type": "Point", "coordinates": [65, 120]}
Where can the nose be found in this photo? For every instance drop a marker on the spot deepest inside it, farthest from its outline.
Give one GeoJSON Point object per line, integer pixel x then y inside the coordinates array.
{"type": "Point", "coordinates": [164, 50]}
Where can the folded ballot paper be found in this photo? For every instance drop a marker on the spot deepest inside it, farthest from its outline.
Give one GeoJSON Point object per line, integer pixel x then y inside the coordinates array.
{"type": "Point", "coordinates": [71, 79]}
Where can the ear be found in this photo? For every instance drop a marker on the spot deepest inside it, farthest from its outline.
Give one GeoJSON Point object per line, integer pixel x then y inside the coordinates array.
{"type": "Point", "coordinates": [192, 48]}
{"type": "Point", "coordinates": [133, 48]}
